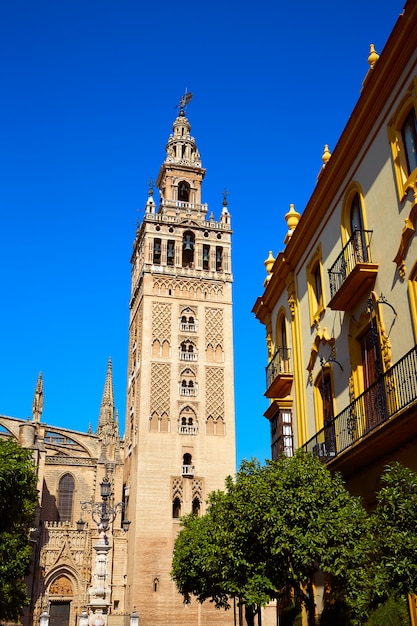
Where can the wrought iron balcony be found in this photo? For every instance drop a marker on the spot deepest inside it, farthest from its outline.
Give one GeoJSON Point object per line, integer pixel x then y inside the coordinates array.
{"type": "Point", "coordinates": [353, 273]}
{"type": "Point", "coordinates": [279, 374]}
{"type": "Point", "coordinates": [387, 398]}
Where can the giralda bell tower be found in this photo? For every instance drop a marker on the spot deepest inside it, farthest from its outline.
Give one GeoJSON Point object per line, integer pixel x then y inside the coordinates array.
{"type": "Point", "coordinates": [180, 431]}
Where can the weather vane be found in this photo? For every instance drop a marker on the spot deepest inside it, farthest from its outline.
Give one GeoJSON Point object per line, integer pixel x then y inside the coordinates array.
{"type": "Point", "coordinates": [185, 99]}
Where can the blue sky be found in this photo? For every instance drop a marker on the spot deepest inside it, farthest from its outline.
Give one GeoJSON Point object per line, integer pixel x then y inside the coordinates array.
{"type": "Point", "coordinates": [88, 95]}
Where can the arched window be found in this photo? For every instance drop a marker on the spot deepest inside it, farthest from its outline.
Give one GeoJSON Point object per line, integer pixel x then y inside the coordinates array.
{"type": "Point", "coordinates": [412, 290]}
{"type": "Point", "coordinates": [196, 507]}
{"type": "Point", "coordinates": [188, 424]}
{"type": "Point", "coordinates": [156, 251]}
{"type": "Point", "coordinates": [187, 465]}
{"type": "Point", "coordinates": [206, 257]}
{"type": "Point", "coordinates": [357, 231]}
{"type": "Point", "coordinates": [188, 241]}
{"type": "Point", "coordinates": [219, 258]}
{"type": "Point", "coordinates": [187, 321]}
{"type": "Point", "coordinates": [171, 252]}
{"type": "Point", "coordinates": [409, 137]}
{"type": "Point", "coordinates": [402, 130]}
{"type": "Point", "coordinates": [315, 287]}
{"type": "Point", "coordinates": [183, 191]}
{"type": "Point", "coordinates": [65, 497]}
{"type": "Point", "coordinates": [187, 352]}
{"type": "Point", "coordinates": [176, 508]}
{"type": "Point", "coordinates": [283, 344]}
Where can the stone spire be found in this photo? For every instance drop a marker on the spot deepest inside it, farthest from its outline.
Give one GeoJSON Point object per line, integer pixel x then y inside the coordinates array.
{"type": "Point", "coordinates": [107, 429]}
{"type": "Point", "coordinates": [37, 406]}
{"type": "Point", "coordinates": [106, 416]}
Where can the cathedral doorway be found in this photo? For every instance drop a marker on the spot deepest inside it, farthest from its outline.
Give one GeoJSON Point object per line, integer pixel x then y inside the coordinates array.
{"type": "Point", "coordinates": [60, 595]}
{"type": "Point", "coordinates": [59, 614]}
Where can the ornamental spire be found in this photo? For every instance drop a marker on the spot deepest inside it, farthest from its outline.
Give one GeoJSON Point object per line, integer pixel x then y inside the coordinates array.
{"type": "Point", "coordinates": [108, 427]}
{"type": "Point", "coordinates": [37, 406]}
{"type": "Point", "coordinates": [106, 416]}
{"type": "Point", "coordinates": [181, 148]}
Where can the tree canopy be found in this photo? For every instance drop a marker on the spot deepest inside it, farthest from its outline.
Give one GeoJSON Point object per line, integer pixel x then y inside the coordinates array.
{"type": "Point", "coordinates": [267, 535]}
{"type": "Point", "coordinates": [18, 499]}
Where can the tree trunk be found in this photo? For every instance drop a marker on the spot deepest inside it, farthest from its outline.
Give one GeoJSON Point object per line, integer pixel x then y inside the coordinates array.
{"type": "Point", "coordinates": [250, 615]}
{"type": "Point", "coordinates": [310, 603]}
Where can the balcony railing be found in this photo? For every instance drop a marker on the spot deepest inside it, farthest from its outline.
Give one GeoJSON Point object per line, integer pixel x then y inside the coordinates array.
{"type": "Point", "coordinates": [394, 391]}
{"type": "Point", "coordinates": [353, 272]}
{"type": "Point", "coordinates": [188, 328]}
{"type": "Point", "coordinates": [188, 391]}
{"type": "Point", "coordinates": [188, 429]}
{"type": "Point", "coordinates": [188, 470]}
{"type": "Point", "coordinates": [188, 356]}
{"type": "Point", "coordinates": [279, 374]}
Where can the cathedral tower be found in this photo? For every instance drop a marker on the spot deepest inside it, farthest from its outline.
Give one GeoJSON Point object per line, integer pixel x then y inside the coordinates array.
{"type": "Point", "coordinates": [180, 433]}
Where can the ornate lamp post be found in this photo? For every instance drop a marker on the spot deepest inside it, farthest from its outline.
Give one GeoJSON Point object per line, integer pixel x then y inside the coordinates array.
{"type": "Point", "coordinates": [103, 514]}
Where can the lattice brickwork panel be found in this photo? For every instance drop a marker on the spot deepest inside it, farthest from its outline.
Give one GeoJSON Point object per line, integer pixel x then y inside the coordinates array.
{"type": "Point", "coordinates": [177, 488]}
{"type": "Point", "coordinates": [161, 321]}
{"type": "Point", "coordinates": [214, 326]}
{"type": "Point", "coordinates": [197, 489]}
{"type": "Point", "coordinates": [215, 392]}
{"type": "Point", "coordinates": [182, 288]}
{"type": "Point", "coordinates": [160, 387]}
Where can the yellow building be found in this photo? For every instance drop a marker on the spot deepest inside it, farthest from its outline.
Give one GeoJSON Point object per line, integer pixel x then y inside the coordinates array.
{"type": "Point", "coordinates": [340, 300]}
{"type": "Point", "coordinates": [109, 509]}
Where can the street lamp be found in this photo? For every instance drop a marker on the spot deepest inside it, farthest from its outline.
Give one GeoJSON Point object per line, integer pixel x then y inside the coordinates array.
{"type": "Point", "coordinates": [134, 618]}
{"type": "Point", "coordinates": [103, 513]}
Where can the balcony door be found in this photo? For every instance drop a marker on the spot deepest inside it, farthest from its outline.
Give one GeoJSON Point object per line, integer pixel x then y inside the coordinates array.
{"type": "Point", "coordinates": [374, 396]}
{"type": "Point", "coordinates": [357, 231]}
{"type": "Point", "coordinates": [326, 392]}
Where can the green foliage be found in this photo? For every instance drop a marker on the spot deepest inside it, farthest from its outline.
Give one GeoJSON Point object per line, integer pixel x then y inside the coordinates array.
{"type": "Point", "coordinates": [394, 612]}
{"type": "Point", "coordinates": [275, 526]}
{"type": "Point", "coordinates": [18, 499]}
{"type": "Point", "coordinates": [394, 533]}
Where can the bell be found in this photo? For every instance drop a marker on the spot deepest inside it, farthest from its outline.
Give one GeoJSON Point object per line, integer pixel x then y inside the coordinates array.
{"type": "Point", "coordinates": [157, 248]}
{"type": "Point", "coordinates": [205, 255]}
{"type": "Point", "coordinates": [170, 252]}
{"type": "Point", "coordinates": [188, 244]}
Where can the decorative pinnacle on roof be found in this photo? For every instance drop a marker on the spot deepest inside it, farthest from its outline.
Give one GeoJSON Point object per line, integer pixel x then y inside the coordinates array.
{"type": "Point", "coordinates": [37, 406]}
{"type": "Point", "coordinates": [106, 416]}
{"type": "Point", "coordinates": [373, 56]}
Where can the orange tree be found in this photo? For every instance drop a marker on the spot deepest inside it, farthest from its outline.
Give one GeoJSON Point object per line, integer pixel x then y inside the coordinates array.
{"type": "Point", "coordinates": [269, 533]}
{"type": "Point", "coordinates": [18, 498]}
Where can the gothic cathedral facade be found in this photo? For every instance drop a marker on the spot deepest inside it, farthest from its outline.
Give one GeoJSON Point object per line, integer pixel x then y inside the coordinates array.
{"type": "Point", "coordinates": [179, 441]}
